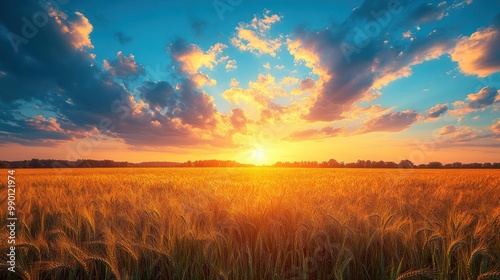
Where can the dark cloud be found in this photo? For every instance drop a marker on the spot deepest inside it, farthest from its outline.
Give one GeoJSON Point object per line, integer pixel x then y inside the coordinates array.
{"type": "Point", "coordinates": [196, 107]}
{"type": "Point", "coordinates": [427, 12]}
{"type": "Point", "coordinates": [437, 111]}
{"type": "Point", "coordinates": [159, 94]}
{"type": "Point", "coordinates": [124, 67]}
{"type": "Point", "coordinates": [55, 67]}
{"type": "Point", "coordinates": [354, 57]}
{"type": "Point", "coordinates": [198, 25]}
{"type": "Point", "coordinates": [122, 38]}
{"type": "Point", "coordinates": [391, 122]}
{"type": "Point", "coordinates": [314, 134]}
{"type": "Point", "coordinates": [484, 98]}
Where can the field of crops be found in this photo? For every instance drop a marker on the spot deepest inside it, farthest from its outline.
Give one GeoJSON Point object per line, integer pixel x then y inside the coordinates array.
{"type": "Point", "coordinates": [255, 223]}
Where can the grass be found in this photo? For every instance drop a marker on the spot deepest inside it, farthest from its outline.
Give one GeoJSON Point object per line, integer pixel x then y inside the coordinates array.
{"type": "Point", "coordinates": [255, 223]}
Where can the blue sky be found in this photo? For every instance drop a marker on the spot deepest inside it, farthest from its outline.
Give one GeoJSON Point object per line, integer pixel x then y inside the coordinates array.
{"type": "Point", "coordinates": [292, 80]}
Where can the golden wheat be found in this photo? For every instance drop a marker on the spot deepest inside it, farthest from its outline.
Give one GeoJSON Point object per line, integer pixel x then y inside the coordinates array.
{"type": "Point", "coordinates": [256, 223]}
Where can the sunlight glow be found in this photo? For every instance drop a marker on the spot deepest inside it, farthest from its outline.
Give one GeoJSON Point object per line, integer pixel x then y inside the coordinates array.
{"type": "Point", "coordinates": [258, 156]}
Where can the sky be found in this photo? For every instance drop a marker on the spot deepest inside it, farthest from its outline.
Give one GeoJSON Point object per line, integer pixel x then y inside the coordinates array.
{"type": "Point", "coordinates": [252, 81]}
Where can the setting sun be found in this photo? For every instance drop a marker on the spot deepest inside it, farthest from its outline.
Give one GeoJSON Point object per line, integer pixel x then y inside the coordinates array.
{"type": "Point", "coordinates": [258, 156]}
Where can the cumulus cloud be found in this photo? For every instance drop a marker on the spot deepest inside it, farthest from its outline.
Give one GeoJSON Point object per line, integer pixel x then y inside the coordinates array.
{"type": "Point", "coordinates": [158, 95]}
{"type": "Point", "coordinates": [231, 65]}
{"type": "Point", "coordinates": [481, 100]}
{"type": "Point", "coordinates": [123, 66]}
{"type": "Point", "coordinates": [436, 111]}
{"type": "Point", "coordinates": [351, 68]}
{"type": "Point", "coordinates": [233, 82]}
{"type": "Point", "coordinates": [191, 57]}
{"type": "Point", "coordinates": [83, 99]}
{"type": "Point", "coordinates": [391, 122]}
{"type": "Point", "coordinates": [254, 36]}
{"type": "Point", "coordinates": [479, 54]}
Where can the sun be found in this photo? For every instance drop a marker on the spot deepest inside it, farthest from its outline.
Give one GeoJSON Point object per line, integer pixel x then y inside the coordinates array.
{"type": "Point", "coordinates": [258, 156]}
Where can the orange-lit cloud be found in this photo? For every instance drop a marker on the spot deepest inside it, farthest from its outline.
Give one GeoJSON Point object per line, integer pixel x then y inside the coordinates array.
{"type": "Point", "coordinates": [481, 100]}
{"type": "Point", "coordinates": [259, 93]}
{"type": "Point", "coordinates": [479, 53]}
{"type": "Point", "coordinates": [254, 36]}
{"type": "Point", "coordinates": [391, 122]}
{"type": "Point", "coordinates": [193, 58]}
{"type": "Point", "coordinates": [78, 28]}
{"type": "Point", "coordinates": [315, 134]}
{"type": "Point", "coordinates": [496, 128]}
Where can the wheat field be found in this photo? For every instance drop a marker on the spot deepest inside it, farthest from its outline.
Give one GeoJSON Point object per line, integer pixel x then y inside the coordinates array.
{"type": "Point", "coordinates": [255, 223]}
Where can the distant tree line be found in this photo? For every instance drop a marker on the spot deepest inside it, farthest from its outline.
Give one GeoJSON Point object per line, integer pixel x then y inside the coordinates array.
{"type": "Point", "coordinates": [90, 163]}
{"type": "Point", "coordinates": [332, 163]}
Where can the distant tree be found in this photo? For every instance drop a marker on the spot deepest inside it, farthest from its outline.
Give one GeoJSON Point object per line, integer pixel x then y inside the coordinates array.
{"type": "Point", "coordinates": [36, 163]}
{"type": "Point", "coordinates": [435, 164]}
{"type": "Point", "coordinates": [406, 164]}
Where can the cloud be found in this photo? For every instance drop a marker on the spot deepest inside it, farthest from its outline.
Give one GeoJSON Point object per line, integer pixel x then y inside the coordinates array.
{"type": "Point", "coordinates": [123, 66]}
{"type": "Point", "coordinates": [267, 66]}
{"type": "Point", "coordinates": [427, 12]}
{"type": "Point", "coordinates": [391, 122]}
{"type": "Point", "coordinates": [159, 95]}
{"type": "Point", "coordinates": [238, 119]}
{"type": "Point", "coordinates": [259, 93]}
{"type": "Point", "coordinates": [315, 134]}
{"type": "Point", "coordinates": [289, 81]}
{"type": "Point", "coordinates": [436, 111]}
{"type": "Point", "coordinates": [479, 54]}
{"type": "Point", "coordinates": [78, 98]}
{"type": "Point", "coordinates": [451, 135]}
{"type": "Point", "coordinates": [447, 130]}
{"type": "Point", "coordinates": [233, 82]}
{"type": "Point", "coordinates": [77, 28]}
{"type": "Point", "coordinates": [307, 84]}
{"type": "Point", "coordinates": [191, 57]}
{"type": "Point", "coordinates": [231, 65]}
{"type": "Point", "coordinates": [198, 25]}
{"type": "Point", "coordinates": [481, 100]}
{"type": "Point", "coordinates": [122, 38]}
{"type": "Point", "coordinates": [351, 68]}
{"type": "Point", "coordinates": [495, 128]}
{"type": "Point", "coordinates": [254, 36]}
